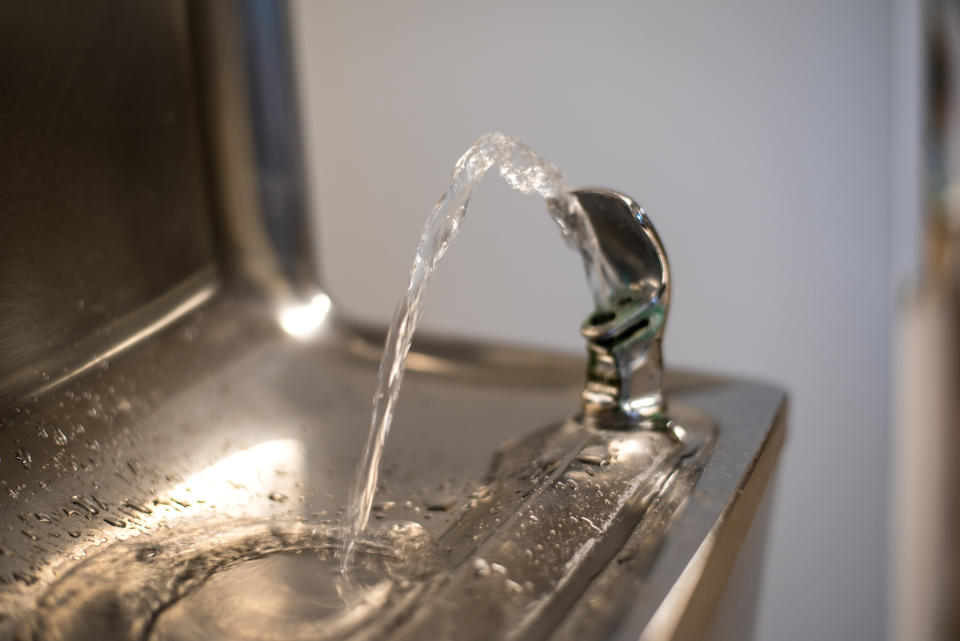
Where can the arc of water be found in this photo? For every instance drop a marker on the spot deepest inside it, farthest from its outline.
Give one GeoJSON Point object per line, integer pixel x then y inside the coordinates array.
{"type": "Point", "coordinates": [525, 172]}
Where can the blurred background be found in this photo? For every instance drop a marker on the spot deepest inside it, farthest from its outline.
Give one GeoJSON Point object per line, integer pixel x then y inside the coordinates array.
{"type": "Point", "coordinates": [777, 147]}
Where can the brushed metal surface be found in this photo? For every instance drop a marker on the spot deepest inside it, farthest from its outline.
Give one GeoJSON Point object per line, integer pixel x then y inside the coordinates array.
{"type": "Point", "coordinates": [103, 194]}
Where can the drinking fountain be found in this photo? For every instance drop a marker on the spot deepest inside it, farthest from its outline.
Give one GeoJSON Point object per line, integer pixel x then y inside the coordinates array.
{"type": "Point", "coordinates": [182, 404]}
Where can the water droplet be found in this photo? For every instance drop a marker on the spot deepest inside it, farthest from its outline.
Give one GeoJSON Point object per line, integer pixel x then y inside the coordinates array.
{"type": "Point", "coordinates": [592, 525]}
{"type": "Point", "coordinates": [74, 533]}
{"type": "Point", "coordinates": [513, 587]}
{"type": "Point", "coordinates": [59, 437]}
{"type": "Point", "coordinates": [481, 567]}
{"type": "Point", "coordinates": [498, 569]}
{"type": "Point", "coordinates": [143, 509]}
{"type": "Point", "coordinates": [115, 522]}
{"type": "Point", "coordinates": [30, 535]}
{"type": "Point", "coordinates": [594, 455]}
{"type": "Point", "coordinates": [480, 492]}
{"type": "Point", "coordinates": [83, 503]}
{"type": "Point", "coordinates": [25, 577]}
{"type": "Point", "coordinates": [279, 497]}
{"type": "Point", "coordinates": [23, 455]}
{"type": "Point", "coordinates": [147, 554]}
{"type": "Point", "coordinates": [440, 502]}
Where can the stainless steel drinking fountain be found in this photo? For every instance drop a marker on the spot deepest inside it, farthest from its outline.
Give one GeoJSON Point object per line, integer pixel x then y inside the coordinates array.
{"type": "Point", "coordinates": [181, 404]}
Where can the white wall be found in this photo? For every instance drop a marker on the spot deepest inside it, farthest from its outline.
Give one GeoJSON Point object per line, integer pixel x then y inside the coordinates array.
{"type": "Point", "coordinates": [756, 134]}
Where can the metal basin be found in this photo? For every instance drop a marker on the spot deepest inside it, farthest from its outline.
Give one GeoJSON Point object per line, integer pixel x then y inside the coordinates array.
{"type": "Point", "coordinates": [182, 407]}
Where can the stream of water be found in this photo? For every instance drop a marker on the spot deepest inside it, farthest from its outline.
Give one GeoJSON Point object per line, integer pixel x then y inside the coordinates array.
{"type": "Point", "coordinates": [525, 172]}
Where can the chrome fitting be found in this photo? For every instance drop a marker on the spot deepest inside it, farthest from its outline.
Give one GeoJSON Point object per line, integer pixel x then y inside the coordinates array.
{"type": "Point", "coordinates": [624, 387]}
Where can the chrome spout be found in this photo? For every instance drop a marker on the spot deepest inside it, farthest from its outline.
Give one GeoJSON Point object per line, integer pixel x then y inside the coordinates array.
{"type": "Point", "coordinates": [624, 386]}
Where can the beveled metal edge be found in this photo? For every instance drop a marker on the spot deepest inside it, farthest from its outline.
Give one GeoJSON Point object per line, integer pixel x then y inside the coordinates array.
{"type": "Point", "coordinates": [35, 380]}
{"type": "Point", "coordinates": [669, 592]}
{"type": "Point", "coordinates": [686, 611]}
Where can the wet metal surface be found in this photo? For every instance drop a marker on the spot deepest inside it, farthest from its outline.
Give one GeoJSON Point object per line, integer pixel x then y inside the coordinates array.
{"type": "Point", "coordinates": [182, 409]}
{"type": "Point", "coordinates": [223, 418]}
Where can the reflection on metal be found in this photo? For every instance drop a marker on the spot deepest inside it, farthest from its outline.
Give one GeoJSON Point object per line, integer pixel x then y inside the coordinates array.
{"type": "Point", "coordinates": [96, 349]}
{"type": "Point", "coordinates": [249, 109]}
{"type": "Point", "coordinates": [625, 367]}
{"type": "Point", "coordinates": [234, 477]}
{"type": "Point", "coordinates": [181, 465]}
{"type": "Point", "coordinates": [304, 319]}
